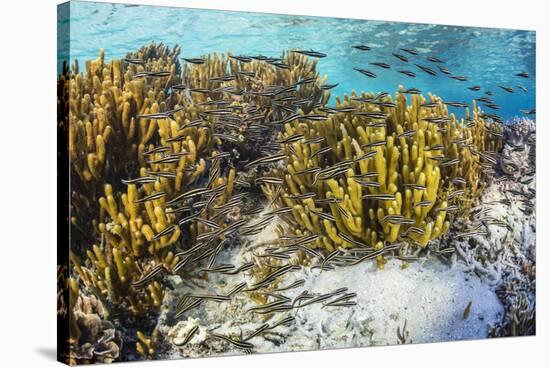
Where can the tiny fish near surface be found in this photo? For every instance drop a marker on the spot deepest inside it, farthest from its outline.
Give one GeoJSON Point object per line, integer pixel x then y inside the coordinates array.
{"type": "Point", "coordinates": [382, 65]}
{"type": "Point", "coordinates": [426, 69]}
{"type": "Point", "coordinates": [197, 61]}
{"type": "Point", "coordinates": [407, 73]}
{"type": "Point", "coordinates": [400, 57]}
{"type": "Point", "coordinates": [362, 47]}
{"type": "Point", "coordinates": [366, 72]}
{"type": "Point", "coordinates": [434, 59]}
{"type": "Point", "coordinates": [134, 61]}
{"type": "Point", "coordinates": [410, 51]}
{"type": "Point", "coordinates": [458, 77]}
{"type": "Point", "coordinates": [311, 53]}
{"type": "Point", "coordinates": [152, 74]}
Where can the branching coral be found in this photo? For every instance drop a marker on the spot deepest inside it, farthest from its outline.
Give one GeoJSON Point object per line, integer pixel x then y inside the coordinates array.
{"type": "Point", "coordinates": [116, 109]}
{"type": "Point", "coordinates": [261, 80]}
{"type": "Point", "coordinates": [149, 142]}
{"type": "Point", "coordinates": [140, 232]}
{"type": "Point", "coordinates": [253, 93]}
{"type": "Point", "coordinates": [104, 102]}
{"type": "Point", "coordinates": [100, 107]}
{"type": "Point", "coordinates": [372, 171]}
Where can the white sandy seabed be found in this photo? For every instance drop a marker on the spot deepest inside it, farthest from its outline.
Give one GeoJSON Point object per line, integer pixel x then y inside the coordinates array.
{"type": "Point", "coordinates": [430, 296]}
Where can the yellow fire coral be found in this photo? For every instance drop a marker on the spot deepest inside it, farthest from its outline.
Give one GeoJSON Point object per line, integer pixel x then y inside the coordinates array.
{"type": "Point", "coordinates": [252, 80]}
{"type": "Point", "coordinates": [103, 104]}
{"type": "Point", "coordinates": [114, 113]}
{"type": "Point", "coordinates": [374, 171]}
{"type": "Point", "coordinates": [140, 234]}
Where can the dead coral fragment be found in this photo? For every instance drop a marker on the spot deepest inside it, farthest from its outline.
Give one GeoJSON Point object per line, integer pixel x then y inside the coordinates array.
{"type": "Point", "coordinates": [520, 315]}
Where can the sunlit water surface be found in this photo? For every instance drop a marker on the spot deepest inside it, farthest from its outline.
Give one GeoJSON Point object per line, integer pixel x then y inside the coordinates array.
{"type": "Point", "coordinates": [487, 57]}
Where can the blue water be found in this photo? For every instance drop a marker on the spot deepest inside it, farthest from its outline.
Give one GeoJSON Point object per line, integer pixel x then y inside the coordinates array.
{"type": "Point", "coordinates": [487, 57]}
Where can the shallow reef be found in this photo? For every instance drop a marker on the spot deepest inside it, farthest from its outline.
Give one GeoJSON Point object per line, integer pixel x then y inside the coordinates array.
{"type": "Point", "coordinates": [175, 164]}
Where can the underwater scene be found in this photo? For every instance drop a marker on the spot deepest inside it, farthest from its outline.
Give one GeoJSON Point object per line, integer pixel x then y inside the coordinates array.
{"type": "Point", "coordinates": [242, 183]}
